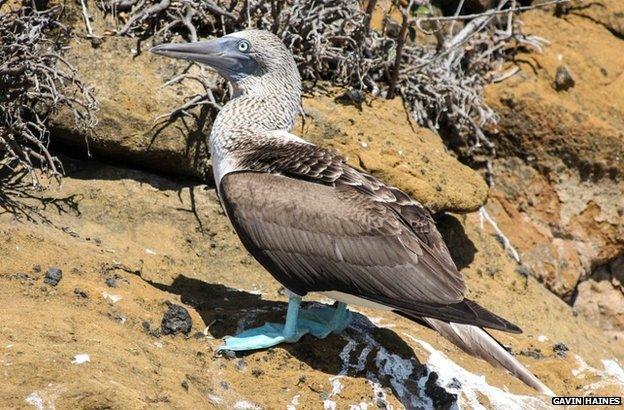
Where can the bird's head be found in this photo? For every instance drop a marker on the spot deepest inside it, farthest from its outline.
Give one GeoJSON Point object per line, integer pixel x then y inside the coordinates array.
{"type": "Point", "coordinates": [249, 59]}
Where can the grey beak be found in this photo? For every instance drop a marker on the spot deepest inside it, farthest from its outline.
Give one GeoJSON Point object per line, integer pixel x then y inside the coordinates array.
{"type": "Point", "coordinates": [220, 54]}
{"type": "Point", "coordinates": [207, 52]}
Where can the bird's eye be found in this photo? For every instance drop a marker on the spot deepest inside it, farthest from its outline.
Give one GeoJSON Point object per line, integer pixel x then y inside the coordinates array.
{"type": "Point", "coordinates": [244, 46]}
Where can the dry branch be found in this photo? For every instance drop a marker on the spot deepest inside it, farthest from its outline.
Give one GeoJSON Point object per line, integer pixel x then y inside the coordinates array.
{"type": "Point", "coordinates": [36, 81]}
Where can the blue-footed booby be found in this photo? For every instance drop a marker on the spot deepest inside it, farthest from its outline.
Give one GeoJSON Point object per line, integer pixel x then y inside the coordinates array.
{"type": "Point", "coordinates": [318, 224]}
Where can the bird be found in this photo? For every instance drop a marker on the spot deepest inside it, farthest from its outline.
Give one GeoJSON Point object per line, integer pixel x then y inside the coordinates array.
{"type": "Point", "coordinates": [318, 224]}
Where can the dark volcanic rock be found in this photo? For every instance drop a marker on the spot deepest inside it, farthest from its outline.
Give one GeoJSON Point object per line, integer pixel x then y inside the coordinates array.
{"type": "Point", "coordinates": [533, 352]}
{"type": "Point", "coordinates": [440, 397]}
{"type": "Point", "coordinates": [81, 293]}
{"type": "Point", "coordinates": [563, 79]}
{"type": "Point", "coordinates": [560, 349]}
{"type": "Point", "coordinates": [175, 320]}
{"type": "Point", "coordinates": [53, 276]}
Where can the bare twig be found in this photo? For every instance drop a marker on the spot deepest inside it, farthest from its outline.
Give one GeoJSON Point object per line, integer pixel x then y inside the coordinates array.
{"type": "Point", "coordinates": [399, 49]}
{"type": "Point", "coordinates": [36, 81]}
{"type": "Point", "coordinates": [493, 12]}
{"type": "Point", "coordinates": [485, 216]}
{"type": "Point", "coordinates": [87, 18]}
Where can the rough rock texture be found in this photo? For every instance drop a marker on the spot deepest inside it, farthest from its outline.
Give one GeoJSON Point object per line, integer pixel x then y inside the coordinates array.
{"type": "Point", "coordinates": [168, 241]}
{"type": "Point", "coordinates": [600, 297]}
{"type": "Point", "coordinates": [176, 319]}
{"type": "Point", "coordinates": [129, 88]}
{"type": "Point", "coordinates": [560, 171]}
{"type": "Point", "coordinates": [53, 276]}
{"type": "Point", "coordinates": [161, 241]}
{"type": "Point", "coordinates": [608, 13]}
{"type": "Point", "coordinates": [379, 137]}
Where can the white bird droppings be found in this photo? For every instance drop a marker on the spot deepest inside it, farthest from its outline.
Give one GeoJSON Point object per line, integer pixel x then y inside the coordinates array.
{"type": "Point", "coordinates": [81, 358]}
{"type": "Point", "coordinates": [34, 399]}
{"type": "Point", "coordinates": [293, 403]}
{"type": "Point", "coordinates": [111, 298]}
{"type": "Point", "coordinates": [245, 405]}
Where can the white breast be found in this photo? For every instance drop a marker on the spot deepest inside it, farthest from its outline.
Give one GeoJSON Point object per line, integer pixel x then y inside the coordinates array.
{"type": "Point", "coordinates": [222, 164]}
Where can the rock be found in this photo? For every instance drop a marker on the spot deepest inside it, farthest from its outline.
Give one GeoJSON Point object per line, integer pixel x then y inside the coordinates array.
{"type": "Point", "coordinates": [439, 396]}
{"type": "Point", "coordinates": [21, 276]}
{"type": "Point", "coordinates": [80, 293]}
{"type": "Point", "coordinates": [560, 349]}
{"type": "Point", "coordinates": [608, 13]}
{"type": "Point", "coordinates": [176, 320]}
{"type": "Point", "coordinates": [125, 207]}
{"type": "Point", "coordinates": [258, 372]}
{"type": "Point", "coordinates": [352, 97]}
{"type": "Point", "coordinates": [380, 138]}
{"type": "Point", "coordinates": [111, 282]}
{"type": "Point", "coordinates": [53, 276]}
{"type": "Point", "coordinates": [81, 358]}
{"type": "Point", "coordinates": [145, 325]}
{"type": "Point", "coordinates": [533, 352]}
{"type": "Point", "coordinates": [199, 335]}
{"type": "Point", "coordinates": [563, 78]}
{"type": "Point", "coordinates": [602, 302]}
{"type": "Point", "coordinates": [559, 174]}
{"type": "Point", "coordinates": [129, 89]}
{"type": "Point", "coordinates": [240, 365]}
{"type": "Point", "coordinates": [185, 384]}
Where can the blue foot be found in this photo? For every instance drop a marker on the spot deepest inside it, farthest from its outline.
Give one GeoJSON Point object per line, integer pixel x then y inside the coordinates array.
{"type": "Point", "coordinates": [319, 322]}
{"type": "Point", "coordinates": [263, 337]}
{"type": "Point", "coordinates": [322, 321]}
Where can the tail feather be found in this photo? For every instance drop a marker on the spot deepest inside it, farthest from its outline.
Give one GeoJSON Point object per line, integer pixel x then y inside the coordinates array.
{"type": "Point", "coordinates": [477, 342]}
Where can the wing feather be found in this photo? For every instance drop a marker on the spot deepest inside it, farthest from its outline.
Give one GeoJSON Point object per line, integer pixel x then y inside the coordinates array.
{"type": "Point", "coordinates": [313, 237]}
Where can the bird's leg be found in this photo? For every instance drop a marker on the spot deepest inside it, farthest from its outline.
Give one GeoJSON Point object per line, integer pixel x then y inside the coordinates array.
{"type": "Point", "coordinates": [292, 315]}
{"type": "Point", "coordinates": [341, 318]}
{"type": "Point", "coordinates": [270, 334]}
{"type": "Point", "coordinates": [324, 320]}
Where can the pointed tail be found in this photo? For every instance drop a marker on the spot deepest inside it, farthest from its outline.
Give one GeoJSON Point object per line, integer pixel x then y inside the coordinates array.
{"type": "Point", "coordinates": [477, 342]}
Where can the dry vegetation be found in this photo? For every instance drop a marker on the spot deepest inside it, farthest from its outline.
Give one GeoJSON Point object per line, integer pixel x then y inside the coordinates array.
{"type": "Point", "coordinates": [438, 64]}
{"type": "Point", "coordinates": [36, 81]}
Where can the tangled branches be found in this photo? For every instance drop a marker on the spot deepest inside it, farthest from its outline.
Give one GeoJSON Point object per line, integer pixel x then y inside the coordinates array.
{"type": "Point", "coordinates": [159, 18]}
{"type": "Point", "coordinates": [438, 64]}
{"type": "Point", "coordinates": [36, 81]}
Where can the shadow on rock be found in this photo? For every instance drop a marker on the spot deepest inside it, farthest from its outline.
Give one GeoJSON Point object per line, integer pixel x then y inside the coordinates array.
{"type": "Point", "coordinates": [460, 246]}
{"type": "Point", "coordinates": [19, 199]}
{"type": "Point", "coordinates": [364, 350]}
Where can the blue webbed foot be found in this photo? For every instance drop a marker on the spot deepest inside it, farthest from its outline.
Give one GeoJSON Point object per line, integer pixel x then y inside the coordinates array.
{"type": "Point", "coordinates": [319, 322]}
{"type": "Point", "coordinates": [269, 335]}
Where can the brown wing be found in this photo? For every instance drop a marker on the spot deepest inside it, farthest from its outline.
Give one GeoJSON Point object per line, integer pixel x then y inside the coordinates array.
{"type": "Point", "coordinates": [315, 237]}
{"type": "Point", "coordinates": [326, 166]}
